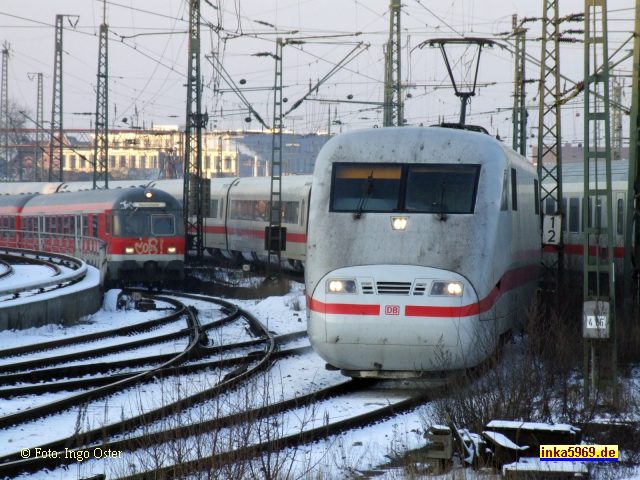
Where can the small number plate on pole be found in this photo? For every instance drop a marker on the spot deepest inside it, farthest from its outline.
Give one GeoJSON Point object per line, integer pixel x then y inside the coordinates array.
{"type": "Point", "coordinates": [595, 319]}
{"type": "Point", "coordinates": [551, 229]}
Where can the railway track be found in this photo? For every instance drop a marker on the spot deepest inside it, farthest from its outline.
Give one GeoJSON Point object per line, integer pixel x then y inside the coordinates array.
{"type": "Point", "coordinates": [234, 365]}
{"type": "Point", "coordinates": [65, 270]}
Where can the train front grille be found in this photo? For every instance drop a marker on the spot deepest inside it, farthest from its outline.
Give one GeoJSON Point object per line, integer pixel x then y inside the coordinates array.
{"type": "Point", "coordinates": [393, 288]}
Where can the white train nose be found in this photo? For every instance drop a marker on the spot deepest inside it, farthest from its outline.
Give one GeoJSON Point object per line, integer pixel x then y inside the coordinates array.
{"type": "Point", "coordinates": [397, 318]}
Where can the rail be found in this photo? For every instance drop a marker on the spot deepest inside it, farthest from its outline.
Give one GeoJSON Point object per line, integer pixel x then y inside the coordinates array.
{"type": "Point", "coordinates": [78, 270]}
{"type": "Point", "coordinates": [90, 249]}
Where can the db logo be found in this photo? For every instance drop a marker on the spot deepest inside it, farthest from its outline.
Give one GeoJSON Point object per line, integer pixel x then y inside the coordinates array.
{"type": "Point", "coordinates": [392, 309]}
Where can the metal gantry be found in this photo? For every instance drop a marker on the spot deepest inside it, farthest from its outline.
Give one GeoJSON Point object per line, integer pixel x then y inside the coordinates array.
{"type": "Point", "coordinates": [393, 102]}
{"type": "Point", "coordinates": [519, 117]}
{"type": "Point", "coordinates": [274, 236]}
{"type": "Point", "coordinates": [599, 327]}
{"type": "Point", "coordinates": [549, 158]}
{"type": "Point", "coordinates": [101, 138]}
{"type": "Point", "coordinates": [193, 197]}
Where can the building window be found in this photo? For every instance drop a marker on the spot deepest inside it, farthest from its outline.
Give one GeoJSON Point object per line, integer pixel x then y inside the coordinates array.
{"type": "Point", "coordinates": [143, 161]}
{"type": "Point", "coordinates": [132, 161]}
{"type": "Point", "coordinates": [123, 161]}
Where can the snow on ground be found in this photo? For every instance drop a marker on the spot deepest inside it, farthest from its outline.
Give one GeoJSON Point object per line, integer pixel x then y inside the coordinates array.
{"type": "Point", "coordinates": [342, 456]}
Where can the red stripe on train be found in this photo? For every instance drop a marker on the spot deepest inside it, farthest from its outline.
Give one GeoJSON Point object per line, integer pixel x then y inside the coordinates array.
{"type": "Point", "coordinates": [510, 280]}
{"type": "Point", "coordinates": [575, 249]}
{"type": "Point", "coordinates": [246, 232]}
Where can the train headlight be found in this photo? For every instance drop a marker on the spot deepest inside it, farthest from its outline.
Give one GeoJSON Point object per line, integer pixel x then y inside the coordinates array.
{"type": "Point", "coordinates": [399, 223]}
{"type": "Point", "coordinates": [171, 250]}
{"type": "Point", "coordinates": [341, 286]}
{"type": "Point", "coordinates": [129, 250]}
{"type": "Point", "coordinates": [451, 289]}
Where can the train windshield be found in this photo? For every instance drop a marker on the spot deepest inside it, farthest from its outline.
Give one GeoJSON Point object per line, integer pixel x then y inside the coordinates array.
{"type": "Point", "coordinates": [365, 188]}
{"type": "Point", "coordinates": [441, 188]}
{"type": "Point", "coordinates": [141, 223]}
{"type": "Point", "coordinates": [420, 188]}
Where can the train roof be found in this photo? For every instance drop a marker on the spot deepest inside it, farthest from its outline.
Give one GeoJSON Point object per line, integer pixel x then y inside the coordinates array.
{"type": "Point", "coordinates": [13, 203]}
{"type": "Point", "coordinates": [422, 144]}
{"type": "Point", "coordinates": [110, 197]}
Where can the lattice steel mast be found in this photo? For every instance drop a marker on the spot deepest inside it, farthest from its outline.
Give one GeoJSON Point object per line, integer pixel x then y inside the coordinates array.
{"type": "Point", "coordinates": [274, 237]}
{"type": "Point", "coordinates": [193, 197]}
{"type": "Point", "coordinates": [598, 242]}
{"type": "Point", "coordinates": [101, 138]}
{"type": "Point", "coordinates": [4, 109]}
{"type": "Point", "coordinates": [57, 134]}
{"type": "Point", "coordinates": [519, 117]}
{"type": "Point", "coordinates": [393, 102]}
{"type": "Point", "coordinates": [37, 154]}
{"type": "Point", "coordinates": [549, 156]}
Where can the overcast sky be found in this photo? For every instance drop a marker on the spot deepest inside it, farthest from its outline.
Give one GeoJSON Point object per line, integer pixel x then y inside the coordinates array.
{"type": "Point", "coordinates": [148, 55]}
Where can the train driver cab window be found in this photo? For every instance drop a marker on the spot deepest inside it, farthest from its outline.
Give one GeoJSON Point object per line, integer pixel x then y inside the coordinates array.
{"type": "Point", "coordinates": [504, 200]}
{"type": "Point", "coordinates": [162, 225]}
{"type": "Point", "coordinates": [441, 188]}
{"type": "Point", "coordinates": [365, 187]}
{"type": "Point", "coordinates": [514, 190]}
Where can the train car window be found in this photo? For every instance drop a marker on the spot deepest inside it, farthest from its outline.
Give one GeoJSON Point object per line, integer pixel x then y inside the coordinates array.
{"type": "Point", "coordinates": [85, 225]}
{"type": "Point", "coordinates": [600, 221]}
{"type": "Point", "coordinates": [365, 187]}
{"type": "Point", "coordinates": [620, 217]}
{"type": "Point", "coordinates": [564, 214]}
{"type": "Point", "coordinates": [536, 197]}
{"type": "Point", "coordinates": [213, 209]}
{"type": "Point", "coordinates": [504, 200]}
{"type": "Point", "coordinates": [94, 225]}
{"type": "Point", "coordinates": [290, 212]}
{"type": "Point", "coordinates": [574, 215]}
{"type": "Point", "coordinates": [514, 190]}
{"type": "Point", "coordinates": [66, 224]}
{"type": "Point", "coordinates": [441, 188]}
{"type": "Point", "coordinates": [49, 225]}
{"type": "Point", "coordinates": [162, 225]}
{"type": "Point", "coordinates": [248, 210]}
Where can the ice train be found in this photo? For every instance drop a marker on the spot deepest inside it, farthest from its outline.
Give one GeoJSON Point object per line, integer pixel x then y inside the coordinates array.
{"type": "Point", "coordinates": [423, 249]}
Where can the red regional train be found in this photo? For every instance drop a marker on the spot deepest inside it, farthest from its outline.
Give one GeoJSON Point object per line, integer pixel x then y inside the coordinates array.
{"type": "Point", "coordinates": [141, 228]}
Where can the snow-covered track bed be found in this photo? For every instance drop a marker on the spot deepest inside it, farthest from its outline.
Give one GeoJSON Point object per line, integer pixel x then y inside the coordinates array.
{"type": "Point", "coordinates": [253, 346]}
{"type": "Point", "coordinates": [64, 270]}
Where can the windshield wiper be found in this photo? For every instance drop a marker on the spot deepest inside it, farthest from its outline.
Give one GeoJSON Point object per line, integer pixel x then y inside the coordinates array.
{"type": "Point", "coordinates": [358, 211]}
{"type": "Point", "coordinates": [442, 216]}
